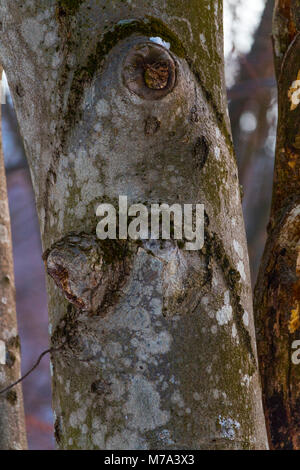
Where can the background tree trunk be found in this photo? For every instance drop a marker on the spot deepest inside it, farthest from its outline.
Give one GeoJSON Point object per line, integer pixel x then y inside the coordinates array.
{"type": "Point", "coordinates": [12, 422]}
{"type": "Point", "coordinates": [277, 293]}
{"type": "Point", "coordinates": [254, 92]}
{"type": "Point", "coordinates": [157, 343]}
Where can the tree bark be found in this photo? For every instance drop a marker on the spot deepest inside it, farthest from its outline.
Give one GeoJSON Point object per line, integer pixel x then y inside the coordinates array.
{"type": "Point", "coordinates": [12, 422]}
{"type": "Point", "coordinates": [277, 293]}
{"type": "Point", "coordinates": [157, 343]}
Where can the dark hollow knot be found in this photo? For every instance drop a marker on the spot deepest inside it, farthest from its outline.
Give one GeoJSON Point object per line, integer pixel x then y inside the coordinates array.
{"type": "Point", "coordinates": [149, 71]}
{"type": "Point", "coordinates": [156, 75]}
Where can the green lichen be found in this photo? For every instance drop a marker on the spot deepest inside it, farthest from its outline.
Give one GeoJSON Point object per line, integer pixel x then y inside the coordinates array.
{"type": "Point", "coordinates": [214, 248]}
{"type": "Point", "coordinates": [191, 363]}
{"type": "Point", "coordinates": [125, 28]}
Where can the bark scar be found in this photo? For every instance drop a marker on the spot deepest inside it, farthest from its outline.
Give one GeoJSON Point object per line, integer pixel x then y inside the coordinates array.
{"type": "Point", "coordinates": [89, 272]}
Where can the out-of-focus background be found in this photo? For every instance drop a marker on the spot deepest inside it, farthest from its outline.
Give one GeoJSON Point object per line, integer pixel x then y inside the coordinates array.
{"type": "Point", "coordinates": [252, 106]}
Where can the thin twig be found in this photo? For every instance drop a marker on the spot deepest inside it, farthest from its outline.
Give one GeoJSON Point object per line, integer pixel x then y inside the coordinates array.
{"type": "Point", "coordinates": [31, 370]}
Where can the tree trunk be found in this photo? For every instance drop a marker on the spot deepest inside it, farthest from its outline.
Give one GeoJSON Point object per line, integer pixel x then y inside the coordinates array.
{"type": "Point", "coordinates": [157, 343]}
{"type": "Point", "coordinates": [12, 422]}
{"type": "Point", "coordinates": [253, 155]}
{"type": "Point", "coordinates": [277, 294]}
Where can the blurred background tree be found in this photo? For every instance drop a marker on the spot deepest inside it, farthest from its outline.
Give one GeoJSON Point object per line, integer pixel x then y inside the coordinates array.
{"type": "Point", "coordinates": [277, 291]}
{"type": "Point", "coordinates": [252, 107]}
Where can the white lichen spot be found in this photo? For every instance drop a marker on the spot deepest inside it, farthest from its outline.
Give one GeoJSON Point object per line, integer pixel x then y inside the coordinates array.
{"type": "Point", "coordinates": [237, 199]}
{"type": "Point", "coordinates": [117, 389]}
{"type": "Point", "coordinates": [102, 108]}
{"type": "Point", "coordinates": [114, 350]}
{"type": "Point", "coordinates": [98, 436]}
{"type": "Point", "coordinates": [32, 32]}
{"type": "Point", "coordinates": [216, 394]}
{"type": "Point", "coordinates": [196, 396]}
{"type": "Point", "coordinates": [160, 41]}
{"type": "Point", "coordinates": [16, 446]}
{"type": "Point", "coordinates": [7, 334]}
{"type": "Point", "coordinates": [84, 429]}
{"type": "Point", "coordinates": [126, 361]}
{"type": "Point", "coordinates": [165, 436]}
{"type": "Point", "coordinates": [234, 331]}
{"type": "Point", "coordinates": [96, 423]}
{"type": "Point", "coordinates": [246, 318]}
{"type": "Point", "coordinates": [2, 352]}
{"type": "Point", "coordinates": [80, 210]}
{"type": "Point", "coordinates": [246, 379]}
{"type": "Point", "coordinates": [4, 210]}
{"type": "Point", "coordinates": [214, 329]}
{"type": "Point", "coordinates": [4, 300]}
{"type": "Point", "coordinates": [217, 152]}
{"type": "Point", "coordinates": [2, 377]}
{"type": "Point", "coordinates": [77, 417]}
{"type": "Point", "coordinates": [177, 399]}
{"type": "Point", "coordinates": [152, 344]}
{"type": "Point", "coordinates": [50, 38]}
{"type": "Point", "coordinates": [229, 427]}
{"type": "Point", "coordinates": [224, 315]}
{"type": "Point", "coordinates": [241, 270]}
{"type": "Point", "coordinates": [202, 39]}
{"type": "Point", "coordinates": [56, 60]}
{"type": "Point", "coordinates": [143, 406]}
{"type": "Point", "coordinates": [215, 281]}
{"type": "Point", "coordinates": [238, 249]}
{"type": "Point", "coordinates": [3, 234]}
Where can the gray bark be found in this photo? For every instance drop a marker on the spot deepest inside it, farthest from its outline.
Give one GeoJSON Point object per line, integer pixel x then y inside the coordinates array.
{"type": "Point", "coordinates": [157, 343]}
{"type": "Point", "coordinates": [12, 422]}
